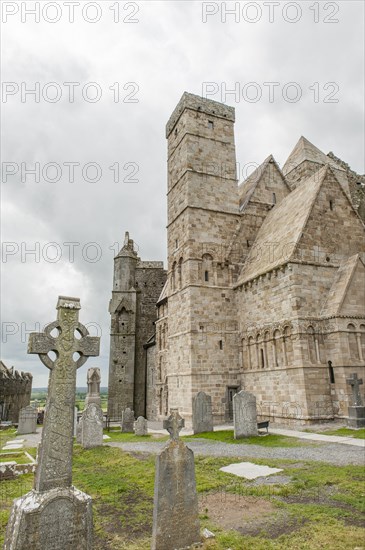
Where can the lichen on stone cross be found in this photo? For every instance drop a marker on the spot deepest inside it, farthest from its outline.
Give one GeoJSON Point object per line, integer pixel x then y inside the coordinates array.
{"type": "Point", "coordinates": [55, 456]}
{"type": "Point", "coordinates": [174, 424]}
{"type": "Point", "coordinates": [355, 383]}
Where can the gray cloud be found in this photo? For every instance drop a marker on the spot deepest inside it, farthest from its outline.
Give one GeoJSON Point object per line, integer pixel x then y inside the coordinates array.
{"type": "Point", "coordinates": [169, 51]}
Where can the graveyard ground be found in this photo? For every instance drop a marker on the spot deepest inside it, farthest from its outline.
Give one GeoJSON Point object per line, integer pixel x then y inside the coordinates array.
{"type": "Point", "coordinates": [309, 506]}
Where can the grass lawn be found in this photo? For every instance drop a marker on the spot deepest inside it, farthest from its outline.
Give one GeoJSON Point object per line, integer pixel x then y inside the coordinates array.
{"type": "Point", "coordinates": [321, 508]}
{"type": "Point", "coordinates": [269, 440]}
{"type": "Point", "coordinates": [117, 435]}
{"type": "Point", "coordinates": [347, 432]}
{"type": "Point", "coordinates": [7, 435]}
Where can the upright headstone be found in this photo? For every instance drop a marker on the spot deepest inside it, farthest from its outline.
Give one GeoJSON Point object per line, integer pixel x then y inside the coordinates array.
{"type": "Point", "coordinates": [140, 426]}
{"type": "Point", "coordinates": [92, 426]}
{"type": "Point", "coordinates": [27, 420]}
{"type": "Point", "coordinates": [79, 432]}
{"type": "Point", "coordinates": [93, 386]}
{"type": "Point", "coordinates": [90, 429]}
{"type": "Point", "coordinates": [127, 424]}
{"type": "Point", "coordinates": [75, 421]}
{"type": "Point", "coordinates": [356, 417]}
{"type": "Point", "coordinates": [244, 415]}
{"type": "Point", "coordinates": [175, 511]}
{"type": "Point", "coordinates": [55, 515]}
{"type": "Point", "coordinates": [202, 413]}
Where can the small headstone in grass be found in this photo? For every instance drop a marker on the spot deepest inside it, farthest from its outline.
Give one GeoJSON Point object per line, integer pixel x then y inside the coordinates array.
{"type": "Point", "coordinates": [140, 426]}
{"type": "Point", "coordinates": [202, 413]}
{"type": "Point", "coordinates": [93, 386]}
{"type": "Point", "coordinates": [175, 511]}
{"type": "Point", "coordinates": [75, 421]}
{"type": "Point", "coordinates": [127, 424]}
{"type": "Point", "coordinates": [244, 415]}
{"type": "Point", "coordinates": [92, 426]}
{"type": "Point", "coordinates": [91, 422]}
{"type": "Point", "coordinates": [56, 515]}
{"type": "Point", "coordinates": [356, 417]}
{"type": "Point", "coordinates": [27, 420]}
{"type": "Point", "coordinates": [79, 432]}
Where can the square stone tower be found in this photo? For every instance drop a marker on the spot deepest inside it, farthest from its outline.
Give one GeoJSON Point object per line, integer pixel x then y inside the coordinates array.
{"type": "Point", "coordinates": [203, 215]}
{"type": "Point", "coordinates": [136, 287]}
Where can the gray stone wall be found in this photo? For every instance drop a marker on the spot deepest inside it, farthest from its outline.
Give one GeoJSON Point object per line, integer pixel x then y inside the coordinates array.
{"type": "Point", "coordinates": [137, 286]}
{"type": "Point", "coordinates": [15, 392]}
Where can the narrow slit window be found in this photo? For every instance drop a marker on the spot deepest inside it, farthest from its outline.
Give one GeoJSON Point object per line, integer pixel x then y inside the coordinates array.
{"type": "Point", "coordinates": [206, 275]}
{"type": "Point", "coordinates": [274, 198]}
{"type": "Point", "coordinates": [331, 204]}
{"type": "Point", "coordinates": [331, 372]}
{"type": "Point", "coordinates": [220, 344]}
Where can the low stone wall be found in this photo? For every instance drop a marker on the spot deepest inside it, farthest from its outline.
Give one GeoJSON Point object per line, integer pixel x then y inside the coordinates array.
{"type": "Point", "coordinates": [9, 471]}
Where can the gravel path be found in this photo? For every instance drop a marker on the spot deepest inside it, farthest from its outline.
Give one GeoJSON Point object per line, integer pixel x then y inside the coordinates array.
{"type": "Point", "coordinates": [337, 454]}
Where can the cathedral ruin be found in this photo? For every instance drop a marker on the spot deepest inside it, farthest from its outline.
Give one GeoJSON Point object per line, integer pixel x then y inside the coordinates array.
{"type": "Point", "coordinates": [264, 288]}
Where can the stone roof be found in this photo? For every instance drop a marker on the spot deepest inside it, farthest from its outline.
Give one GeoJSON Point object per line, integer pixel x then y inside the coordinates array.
{"type": "Point", "coordinates": [128, 250]}
{"type": "Point", "coordinates": [282, 229]}
{"type": "Point", "coordinates": [247, 188]}
{"type": "Point", "coordinates": [305, 150]}
{"type": "Point", "coordinates": [12, 373]}
{"type": "Point", "coordinates": [163, 295]}
{"type": "Point", "coordinates": [340, 286]}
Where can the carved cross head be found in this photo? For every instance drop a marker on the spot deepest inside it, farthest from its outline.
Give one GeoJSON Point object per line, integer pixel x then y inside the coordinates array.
{"type": "Point", "coordinates": [355, 384]}
{"type": "Point", "coordinates": [174, 424]}
{"type": "Point", "coordinates": [65, 337]}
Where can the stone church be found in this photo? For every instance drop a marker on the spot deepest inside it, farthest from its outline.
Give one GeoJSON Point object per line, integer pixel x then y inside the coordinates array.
{"type": "Point", "coordinates": [265, 283]}
{"type": "Point", "coordinates": [15, 392]}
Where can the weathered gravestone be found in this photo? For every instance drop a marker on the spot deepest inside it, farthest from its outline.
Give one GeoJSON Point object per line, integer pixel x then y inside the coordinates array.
{"type": "Point", "coordinates": [55, 515]}
{"type": "Point", "coordinates": [244, 415]}
{"type": "Point", "coordinates": [27, 420]}
{"type": "Point", "coordinates": [356, 417]}
{"type": "Point", "coordinates": [75, 421]}
{"type": "Point", "coordinates": [89, 431]}
{"type": "Point", "coordinates": [140, 426]}
{"type": "Point", "coordinates": [79, 432]}
{"type": "Point", "coordinates": [127, 424]}
{"type": "Point", "coordinates": [202, 413]}
{"type": "Point", "coordinates": [93, 386]}
{"type": "Point", "coordinates": [92, 426]}
{"type": "Point", "coordinates": [175, 511]}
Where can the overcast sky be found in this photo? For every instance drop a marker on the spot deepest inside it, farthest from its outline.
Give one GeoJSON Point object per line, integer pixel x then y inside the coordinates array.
{"type": "Point", "coordinates": [130, 62]}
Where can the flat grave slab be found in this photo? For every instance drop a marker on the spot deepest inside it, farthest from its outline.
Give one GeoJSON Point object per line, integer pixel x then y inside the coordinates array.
{"type": "Point", "coordinates": [249, 470]}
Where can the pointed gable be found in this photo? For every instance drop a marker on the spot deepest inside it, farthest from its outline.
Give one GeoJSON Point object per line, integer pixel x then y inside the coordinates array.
{"type": "Point", "coordinates": [315, 223]}
{"type": "Point", "coordinates": [333, 230]}
{"type": "Point", "coordinates": [305, 150]}
{"type": "Point", "coordinates": [347, 294]}
{"type": "Point", "coordinates": [305, 159]}
{"type": "Point", "coordinates": [280, 232]}
{"type": "Point", "coordinates": [266, 185]}
{"type": "Point", "coordinates": [126, 305]}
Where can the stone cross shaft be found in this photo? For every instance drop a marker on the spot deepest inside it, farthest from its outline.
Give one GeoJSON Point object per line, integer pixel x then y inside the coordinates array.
{"type": "Point", "coordinates": [174, 424]}
{"type": "Point", "coordinates": [355, 383]}
{"type": "Point", "coordinates": [55, 455]}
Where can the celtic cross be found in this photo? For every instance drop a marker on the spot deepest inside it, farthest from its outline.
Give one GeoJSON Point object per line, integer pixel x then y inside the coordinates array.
{"type": "Point", "coordinates": [355, 383]}
{"type": "Point", "coordinates": [174, 424]}
{"type": "Point", "coordinates": [55, 455]}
